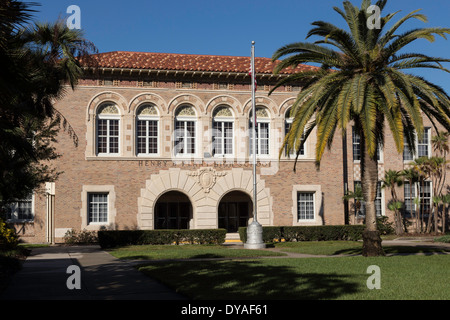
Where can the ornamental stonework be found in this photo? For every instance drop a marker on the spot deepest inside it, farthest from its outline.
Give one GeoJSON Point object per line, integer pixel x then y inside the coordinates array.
{"type": "Point", "coordinates": [206, 177]}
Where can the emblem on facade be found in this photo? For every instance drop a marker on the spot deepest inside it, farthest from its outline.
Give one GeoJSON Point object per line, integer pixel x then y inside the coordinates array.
{"type": "Point", "coordinates": [206, 177]}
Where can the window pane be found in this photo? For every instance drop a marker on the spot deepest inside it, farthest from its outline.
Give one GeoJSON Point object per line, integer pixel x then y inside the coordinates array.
{"type": "Point", "coordinates": [222, 137]}
{"type": "Point", "coordinates": [190, 143]}
{"type": "Point", "coordinates": [147, 136]}
{"type": "Point", "coordinates": [217, 137]}
{"type": "Point", "coordinates": [113, 136]}
{"type": "Point", "coordinates": [378, 200]}
{"type": "Point", "coordinates": [262, 138]}
{"type": "Point", "coordinates": [98, 207]}
{"type": "Point", "coordinates": [21, 210]}
{"type": "Point", "coordinates": [102, 135]}
{"type": "Point", "coordinates": [356, 146]}
{"type": "Point", "coordinates": [185, 137]}
{"type": "Point", "coordinates": [305, 206]}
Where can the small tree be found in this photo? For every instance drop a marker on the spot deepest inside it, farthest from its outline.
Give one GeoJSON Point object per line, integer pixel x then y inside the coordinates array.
{"type": "Point", "coordinates": [393, 179]}
{"type": "Point", "coordinates": [412, 176]}
{"type": "Point", "coordinates": [357, 197]}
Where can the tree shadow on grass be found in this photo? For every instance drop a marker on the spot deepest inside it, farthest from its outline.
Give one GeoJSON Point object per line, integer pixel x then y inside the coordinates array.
{"type": "Point", "coordinates": [209, 280]}
{"type": "Point", "coordinates": [390, 249]}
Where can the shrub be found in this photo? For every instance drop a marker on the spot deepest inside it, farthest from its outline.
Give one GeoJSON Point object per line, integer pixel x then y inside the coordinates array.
{"type": "Point", "coordinates": [114, 238]}
{"type": "Point", "coordinates": [83, 237]}
{"type": "Point", "coordinates": [444, 239]}
{"type": "Point", "coordinates": [384, 226]}
{"type": "Point", "coordinates": [308, 233]}
{"type": "Point", "coordinates": [8, 236]}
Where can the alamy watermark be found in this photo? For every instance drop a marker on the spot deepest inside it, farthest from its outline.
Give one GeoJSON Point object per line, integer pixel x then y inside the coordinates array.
{"type": "Point", "coordinates": [374, 281]}
{"type": "Point", "coordinates": [74, 20]}
{"type": "Point", "coordinates": [74, 280]}
{"type": "Point", "coordinates": [374, 21]}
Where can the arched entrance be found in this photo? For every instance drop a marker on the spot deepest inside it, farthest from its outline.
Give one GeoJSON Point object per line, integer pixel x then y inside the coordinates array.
{"type": "Point", "coordinates": [173, 210]}
{"type": "Point", "coordinates": [234, 211]}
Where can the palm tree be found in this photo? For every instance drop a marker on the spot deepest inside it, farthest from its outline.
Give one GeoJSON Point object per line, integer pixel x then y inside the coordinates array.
{"type": "Point", "coordinates": [62, 48]}
{"type": "Point", "coordinates": [412, 176]}
{"type": "Point", "coordinates": [446, 202]}
{"type": "Point", "coordinates": [393, 179]}
{"type": "Point", "coordinates": [36, 63]}
{"type": "Point", "coordinates": [361, 81]}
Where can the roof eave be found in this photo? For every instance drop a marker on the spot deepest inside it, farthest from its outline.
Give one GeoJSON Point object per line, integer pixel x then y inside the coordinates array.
{"type": "Point", "coordinates": [201, 73]}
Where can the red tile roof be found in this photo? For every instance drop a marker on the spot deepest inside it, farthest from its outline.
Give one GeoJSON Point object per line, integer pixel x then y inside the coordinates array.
{"type": "Point", "coordinates": [186, 62]}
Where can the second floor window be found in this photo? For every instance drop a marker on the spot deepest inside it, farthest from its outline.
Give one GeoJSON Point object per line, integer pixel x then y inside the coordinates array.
{"type": "Point", "coordinates": [262, 129]}
{"type": "Point", "coordinates": [108, 131]}
{"type": "Point", "coordinates": [184, 138]}
{"type": "Point", "coordinates": [287, 127]}
{"type": "Point", "coordinates": [147, 130]}
{"type": "Point", "coordinates": [222, 134]}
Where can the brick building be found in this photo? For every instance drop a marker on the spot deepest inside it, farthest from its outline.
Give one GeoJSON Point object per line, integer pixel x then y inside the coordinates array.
{"type": "Point", "coordinates": [164, 143]}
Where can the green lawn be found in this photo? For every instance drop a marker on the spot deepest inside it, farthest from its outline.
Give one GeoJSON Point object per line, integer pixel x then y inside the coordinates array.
{"type": "Point", "coordinates": [420, 277]}
{"type": "Point", "coordinates": [402, 278]}
{"type": "Point", "coordinates": [347, 248]}
{"type": "Point", "coordinates": [162, 252]}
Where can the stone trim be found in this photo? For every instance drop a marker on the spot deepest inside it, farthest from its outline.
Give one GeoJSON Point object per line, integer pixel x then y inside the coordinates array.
{"type": "Point", "coordinates": [205, 201]}
{"type": "Point", "coordinates": [318, 205]}
{"type": "Point", "coordinates": [111, 206]}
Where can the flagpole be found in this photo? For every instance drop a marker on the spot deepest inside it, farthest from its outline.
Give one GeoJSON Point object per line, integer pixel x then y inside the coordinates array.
{"type": "Point", "coordinates": [254, 230]}
{"type": "Point", "coordinates": [254, 132]}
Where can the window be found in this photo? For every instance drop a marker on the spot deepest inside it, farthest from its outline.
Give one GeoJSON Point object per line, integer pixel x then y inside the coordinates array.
{"type": "Point", "coordinates": [98, 208]}
{"type": "Point", "coordinates": [423, 147]}
{"type": "Point", "coordinates": [147, 130]}
{"type": "Point", "coordinates": [21, 210]}
{"type": "Point", "coordinates": [222, 135]}
{"type": "Point", "coordinates": [356, 140]}
{"type": "Point", "coordinates": [378, 200]}
{"type": "Point", "coordinates": [305, 206]}
{"type": "Point", "coordinates": [108, 129]}
{"type": "Point", "coordinates": [185, 120]}
{"type": "Point", "coordinates": [425, 197]}
{"type": "Point", "coordinates": [287, 127]}
{"type": "Point", "coordinates": [262, 131]}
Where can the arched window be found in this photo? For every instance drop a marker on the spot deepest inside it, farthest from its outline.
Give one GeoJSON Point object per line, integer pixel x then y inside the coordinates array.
{"type": "Point", "coordinates": [108, 124]}
{"type": "Point", "coordinates": [147, 119]}
{"type": "Point", "coordinates": [262, 131]}
{"type": "Point", "coordinates": [222, 134]}
{"type": "Point", "coordinates": [287, 126]}
{"type": "Point", "coordinates": [185, 133]}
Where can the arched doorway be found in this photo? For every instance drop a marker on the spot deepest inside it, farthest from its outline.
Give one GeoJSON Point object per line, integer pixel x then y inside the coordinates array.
{"type": "Point", "coordinates": [234, 211]}
{"type": "Point", "coordinates": [173, 210]}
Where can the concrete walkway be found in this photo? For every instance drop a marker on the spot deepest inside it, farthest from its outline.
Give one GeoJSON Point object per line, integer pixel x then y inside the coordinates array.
{"type": "Point", "coordinates": [44, 277]}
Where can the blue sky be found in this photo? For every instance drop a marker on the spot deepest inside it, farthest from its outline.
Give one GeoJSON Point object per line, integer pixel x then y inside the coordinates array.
{"type": "Point", "coordinates": [228, 27]}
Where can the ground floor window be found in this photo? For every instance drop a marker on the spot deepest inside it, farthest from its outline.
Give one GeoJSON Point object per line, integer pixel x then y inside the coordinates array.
{"type": "Point", "coordinates": [424, 191]}
{"type": "Point", "coordinates": [98, 207]}
{"type": "Point", "coordinates": [21, 210]}
{"type": "Point", "coordinates": [305, 206]}
{"type": "Point", "coordinates": [378, 200]}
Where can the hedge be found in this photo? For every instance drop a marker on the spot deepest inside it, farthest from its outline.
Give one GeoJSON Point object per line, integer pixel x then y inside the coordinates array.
{"type": "Point", "coordinates": [308, 233]}
{"type": "Point", "coordinates": [114, 238]}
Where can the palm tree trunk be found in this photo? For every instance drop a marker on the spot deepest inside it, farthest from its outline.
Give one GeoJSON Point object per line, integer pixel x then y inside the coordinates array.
{"type": "Point", "coordinates": [369, 179]}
